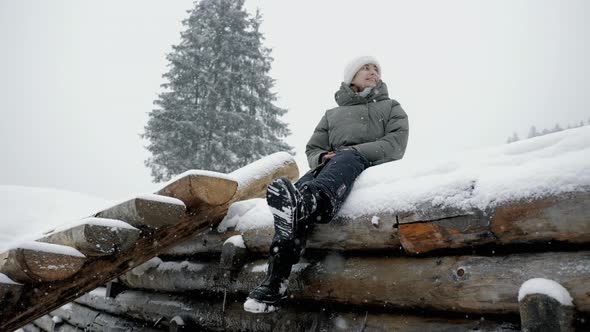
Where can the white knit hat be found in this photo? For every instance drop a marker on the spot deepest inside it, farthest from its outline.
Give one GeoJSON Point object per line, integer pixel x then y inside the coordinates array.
{"type": "Point", "coordinates": [357, 63]}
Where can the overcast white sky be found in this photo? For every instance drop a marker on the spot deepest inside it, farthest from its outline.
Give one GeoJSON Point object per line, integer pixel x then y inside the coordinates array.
{"type": "Point", "coordinates": [77, 78]}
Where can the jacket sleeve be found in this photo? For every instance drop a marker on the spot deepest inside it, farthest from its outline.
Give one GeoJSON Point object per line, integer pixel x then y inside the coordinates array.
{"type": "Point", "coordinates": [318, 144]}
{"type": "Point", "coordinates": [392, 145]}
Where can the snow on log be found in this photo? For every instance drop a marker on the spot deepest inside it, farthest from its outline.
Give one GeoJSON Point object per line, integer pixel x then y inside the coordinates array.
{"type": "Point", "coordinates": [92, 320]}
{"type": "Point", "coordinates": [234, 254]}
{"type": "Point", "coordinates": [32, 328]}
{"type": "Point", "coordinates": [545, 305]}
{"type": "Point", "coordinates": [562, 218]}
{"type": "Point", "coordinates": [253, 178]}
{"type": "Point", "coordinates": [210, 314]}
{"type": "Point", "coordinates": [33, 262]}
{"type": "Point", "coordinates": [471, 284]}
{"type": "Point", "coordinates": [45, 323]}
{"type": "Point", "coordinates": [196, 188]}
{"type": "Point", "coordinates": [95, 237]}
{"type": "Point", "coordinates": [207, 243]}
{"type": "Point", "coordinates": [10, 292]}
{"type": "Point", "coordinates": [146, 212]}
{"type": "Point", "coordinates": [360, 234]}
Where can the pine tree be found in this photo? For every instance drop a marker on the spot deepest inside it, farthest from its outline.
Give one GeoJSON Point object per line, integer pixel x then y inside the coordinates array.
{"type": "Point", "coordinates": [512, 138]}
{"type": "Point", "coordinates": [217, 110]}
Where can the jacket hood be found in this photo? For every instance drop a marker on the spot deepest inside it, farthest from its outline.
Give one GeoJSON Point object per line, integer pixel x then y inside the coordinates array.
{"type": "Point", "coordinates": [346, 97]}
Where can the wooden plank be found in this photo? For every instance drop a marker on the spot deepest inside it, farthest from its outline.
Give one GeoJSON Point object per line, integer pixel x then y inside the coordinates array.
{"type": "Point", "coordinates": [471, 284]}
{"type": "Point", "coordinates": [94, 239]}
{"type": "Point", "coordinates": [144, 212]}
{"type": "Point", "coordinates": [210, 314]}
{"type": "Point", "coordinates": [92, 320]}
{"type": "Point", "coordinates": [366, 233]}
{"type": "Point", "coordinates": [35, 262]}
{"type": "Point", "coordinates": [201, 188]}
{"type": "Point", "coordinates": [563, 218]}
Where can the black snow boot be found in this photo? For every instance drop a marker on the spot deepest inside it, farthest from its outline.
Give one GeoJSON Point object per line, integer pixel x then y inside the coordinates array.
{"type": "Point", "coordinates": [273, 288]}
{"type": "Point", "coordinates": [290, 207]}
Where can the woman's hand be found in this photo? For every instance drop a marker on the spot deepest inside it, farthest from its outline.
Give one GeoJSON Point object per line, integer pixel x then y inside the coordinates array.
{"type": "Point", "coordinates": [328, 156]}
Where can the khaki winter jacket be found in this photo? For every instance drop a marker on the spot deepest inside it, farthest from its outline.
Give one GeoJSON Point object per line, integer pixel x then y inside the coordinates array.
{"type": "Point", "coordinates": [375, 126]}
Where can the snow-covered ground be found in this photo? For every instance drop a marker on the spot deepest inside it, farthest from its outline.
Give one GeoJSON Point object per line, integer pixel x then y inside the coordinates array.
{"type": "Point", "coordinates": [540, 166]}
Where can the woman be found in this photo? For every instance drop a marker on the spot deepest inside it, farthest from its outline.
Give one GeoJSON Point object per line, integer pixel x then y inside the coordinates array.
{"type": "Point", "coordinates": [367, 128]}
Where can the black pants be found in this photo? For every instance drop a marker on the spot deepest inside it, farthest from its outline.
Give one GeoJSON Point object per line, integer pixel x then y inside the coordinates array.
{"type": "Point", "coordinates": [334, 180]}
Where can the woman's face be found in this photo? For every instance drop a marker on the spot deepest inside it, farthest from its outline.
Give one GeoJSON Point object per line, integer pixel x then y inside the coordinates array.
{"type": "Point", "coordinates": [367, 76]}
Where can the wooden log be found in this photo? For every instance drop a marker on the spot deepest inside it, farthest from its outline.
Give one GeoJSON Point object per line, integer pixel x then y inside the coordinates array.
{"type": "Point", "coordinates": [210, 314]}
{"type": "Point", "coordinates": [366, 233]}
{"type": "Point", "coordinates": [40, 262]}
{"type": "Point", "coordinates": [10, 293]}
{"type": "Point", "coordinates": [92, 320]}
{"type": "Point", "coordinates": [196, 188]}
{"type": "Point", "coordinates": [471, 284]}
{"type": "Point", "coordinates": [254, 178]}
{"type": "Point", "coordinates": [539, 312]}
{"type": "Point", "coordinates": [32, 328]}
{"type": "Point", "coordinates": [146, 212]}
{"type": "Point", "coordinates": [45, 323]}
{"type": "Point", "coordinates": [563, 218]}
{"type": "Point", "coordinates": [234, 254]}
{"type": "Point", "coordinates": [210, 242]}
{"type": "Point", "coordinates": [454, 232]}
{"type": "Point", "coordinates": [95, 237]}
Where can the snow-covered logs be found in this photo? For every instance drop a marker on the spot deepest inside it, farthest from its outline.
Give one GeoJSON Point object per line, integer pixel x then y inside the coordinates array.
{"type": "Point", "coordinates": [162, 222]}
{"type": "Point", "coordinates": [469, 284]}
{"type": "Point", "coordinates": [95, 237]}
{"type": "Point", "coordinates": [209, 313]}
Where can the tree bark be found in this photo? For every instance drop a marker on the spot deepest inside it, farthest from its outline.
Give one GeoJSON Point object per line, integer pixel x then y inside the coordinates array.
{"type": "Point", "coordinates": [210, 314]}
{"type": "Point", "coordinates": [470, 284]}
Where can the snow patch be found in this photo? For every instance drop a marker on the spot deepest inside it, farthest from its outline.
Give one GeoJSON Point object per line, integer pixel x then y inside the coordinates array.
{"type": "Point", "coordinates": [237, 241]}
{"type": "Point", "coordinates": [261, 168]}
{"type": "Point", "coordinates": [375, 221]}
{"type": "Point", "coordinates": [198, 172]}
{"type": "Point", "coordinates": [546, 287]}
{"type": "Point", "coordinates": [175, 266]}
{"type": "Point", "coordinates": [141, 269]}
{"type": "Point", "coordinates": [161, 199]}
{"type": "Point", "coordinates": [256, 307]}
{"type": "Point", "coordinates": [4, 279]}
{"type": "Point", "coordinates": [57, 319]}
{"type": "Point", "coordinates": [49, 247]}
{"type": "Point", "coordinates": [533, 168]}
{"type": "Point", "coordinates": [246, 215]}
{"type": "Point", "coordinates": [100, 292]}
{"type": "Point", "coordinates": [113, 223]}
{"type": "Point", "coordinates": [260, 268]}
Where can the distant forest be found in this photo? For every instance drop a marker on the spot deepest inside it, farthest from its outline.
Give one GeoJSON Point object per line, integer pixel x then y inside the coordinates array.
{"type": "Point", "coordinates": [533, 132]}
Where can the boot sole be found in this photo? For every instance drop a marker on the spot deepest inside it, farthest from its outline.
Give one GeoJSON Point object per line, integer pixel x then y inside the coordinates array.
{"type": "Point", "coordinates": [280, 197]}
